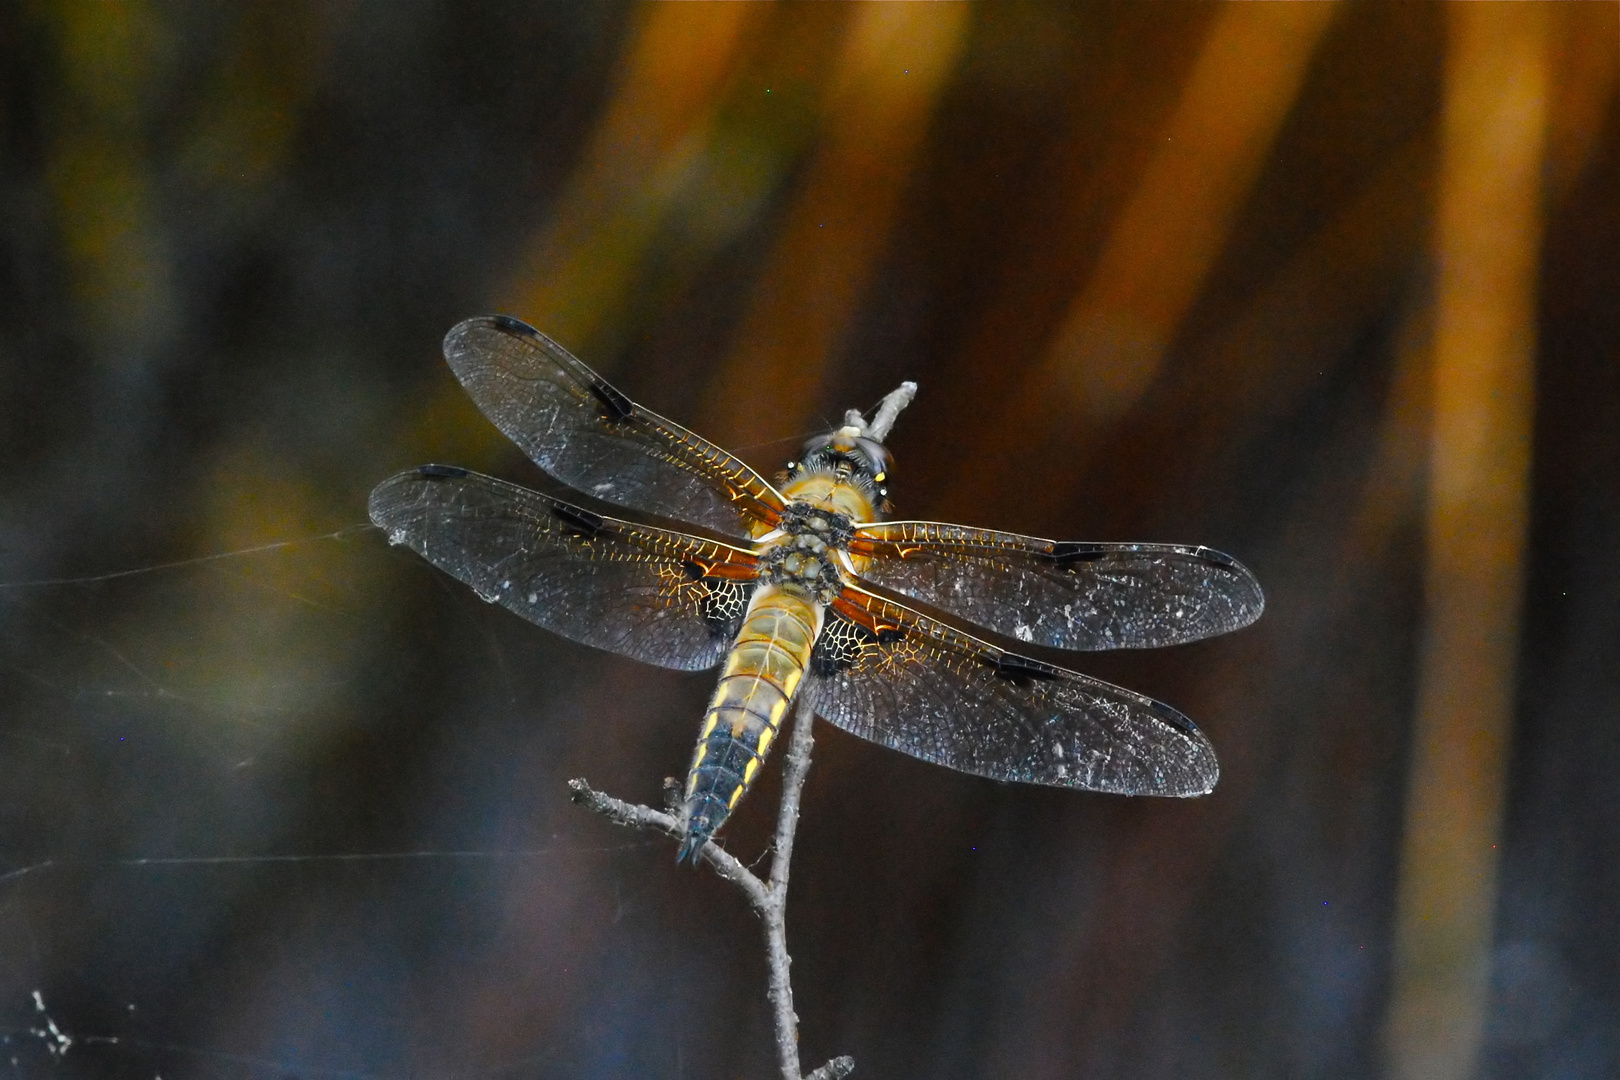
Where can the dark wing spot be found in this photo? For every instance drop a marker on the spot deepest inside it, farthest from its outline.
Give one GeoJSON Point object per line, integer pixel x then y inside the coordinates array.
{"type": "Point", "coordinates": [440, 472]}
{"type": "Point", "coordinates": [840, 645]}
{"type": "Point", "coordinates": [1021, 670]}
{"type": "Point", "coordinates": [1069, 551]}
{"type": "Point", "coordinates": [724, 605]}
{"type": "Point", "coordinates": [514, 326]}
{"type": "Point", "coordinates": [617, 405]}
{"type": "Point", "coordinates": [889, 635]}
{"type": "Point", "coordinates": [1216, 558]}
{"type": "Point", "coordinates": [1172, 717]}
{"type": "Point", "coordinates": [578, 520]}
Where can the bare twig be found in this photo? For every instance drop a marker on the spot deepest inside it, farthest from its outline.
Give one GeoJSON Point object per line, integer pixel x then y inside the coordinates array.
{"type": "Point", "coordinates": [645, 817]}
{"type": "Point", "coordinates": [768, 898]}
{"type": "Point", "coordinates": [888, 411]}
{"type": "Point", "coordinates": [774, 912]}
{"type": "Point", "coordinates": [836, 1069]}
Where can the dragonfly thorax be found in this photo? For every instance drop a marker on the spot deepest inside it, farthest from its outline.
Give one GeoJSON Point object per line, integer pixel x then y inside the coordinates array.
{"type": "Point", "coordinates": [805, 551]}
{"type": "Point", "coordinates": [803, 519]}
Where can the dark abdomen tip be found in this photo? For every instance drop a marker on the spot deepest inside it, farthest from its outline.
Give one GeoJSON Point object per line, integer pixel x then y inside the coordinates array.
{"type": "Point", "coordinates": [704, 814]}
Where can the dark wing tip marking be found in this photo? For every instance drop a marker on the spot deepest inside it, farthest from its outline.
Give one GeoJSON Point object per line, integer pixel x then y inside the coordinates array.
{"type": "Point", "coordinates": [514, 326]}
{"type": "Point", "coordinates": [577, 519]}
{"type": "Point", "coordinates": [1216, 558]}
{"type": "Point", "coordinates": [440, 472]}
{"type": "Point", "coordinates": [1174, 717]}
{"type": "Point", "coordinates": [1069, 551]}
{"type": "Point", "coordinates": [618, 406]}
{"type": "Point", "coordinates": [1024, 669]}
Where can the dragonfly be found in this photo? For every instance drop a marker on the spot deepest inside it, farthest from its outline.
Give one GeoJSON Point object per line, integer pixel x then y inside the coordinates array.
{"type": "Point", "coordinates": [803, 589]}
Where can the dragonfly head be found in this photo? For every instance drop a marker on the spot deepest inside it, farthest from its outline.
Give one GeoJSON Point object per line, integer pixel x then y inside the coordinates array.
{"type": "Point", "coordinates": [850, 454]}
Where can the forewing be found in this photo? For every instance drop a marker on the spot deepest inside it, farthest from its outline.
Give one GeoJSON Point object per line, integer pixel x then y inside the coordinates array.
{"type": "Point", "coordinates": [652, 594]}
{"type": "Point", "coordinates": [894, 676]}
{"type": "Point", "coordinates": [581, 430]}
{"type": "Point", "coordinates": [1062, 594]}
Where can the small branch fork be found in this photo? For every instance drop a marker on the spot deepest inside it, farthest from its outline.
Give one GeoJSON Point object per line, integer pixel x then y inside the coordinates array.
{"type": "Point", "coordinates": [769, 897]}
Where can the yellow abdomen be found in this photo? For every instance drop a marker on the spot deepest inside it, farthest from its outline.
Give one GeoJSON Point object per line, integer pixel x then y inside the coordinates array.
{"type": "Point", "coordinates": [762, 672]}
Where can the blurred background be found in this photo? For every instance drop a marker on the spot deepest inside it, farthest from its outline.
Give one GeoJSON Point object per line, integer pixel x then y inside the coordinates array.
{"type": "Point", "coordinates": [1332, 288]}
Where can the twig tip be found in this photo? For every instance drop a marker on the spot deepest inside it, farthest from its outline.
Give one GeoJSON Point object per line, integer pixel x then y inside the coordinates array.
{"type": "Point", "coordinates": [836, 1069]}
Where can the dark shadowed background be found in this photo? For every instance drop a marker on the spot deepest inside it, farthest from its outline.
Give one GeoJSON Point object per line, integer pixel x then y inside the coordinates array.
{"type": "Point", "coordinates": [279, 801]}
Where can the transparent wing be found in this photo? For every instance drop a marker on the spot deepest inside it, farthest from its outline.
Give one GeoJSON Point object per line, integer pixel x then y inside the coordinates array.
{"type": "Point", "coordinates": [581, 430]}
{"type": "Point", "coordinates": [1061, 594]}
{"type": "Point", "coordinates": [894, 676]}
{"type": "Point", "coordinates": [652, 594]}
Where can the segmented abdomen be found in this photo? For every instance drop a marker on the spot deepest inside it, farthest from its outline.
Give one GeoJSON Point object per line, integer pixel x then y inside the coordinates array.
{"type": "Point", "coordinates": [762, 672]}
